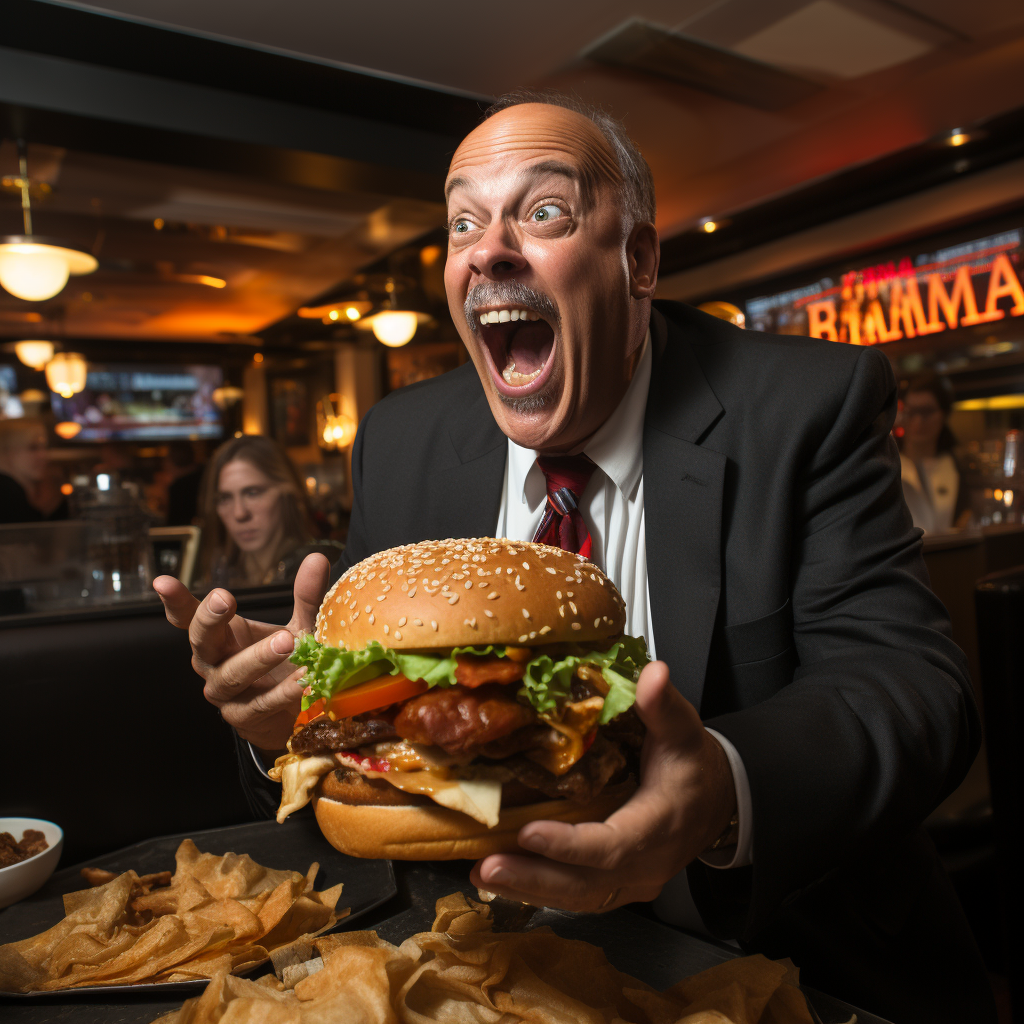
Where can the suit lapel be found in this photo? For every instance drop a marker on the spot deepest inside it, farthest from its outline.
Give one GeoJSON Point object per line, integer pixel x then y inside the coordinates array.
{"type": "Point", "coordinates": [472, 477]}
{"type": "Point", "coordinates": [683, 485]}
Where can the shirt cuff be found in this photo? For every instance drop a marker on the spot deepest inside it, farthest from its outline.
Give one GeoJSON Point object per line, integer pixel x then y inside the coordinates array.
{"type": "Point", "coordinates": [258, 761]}
{"type": "Point", "coordinates": [743, 853]}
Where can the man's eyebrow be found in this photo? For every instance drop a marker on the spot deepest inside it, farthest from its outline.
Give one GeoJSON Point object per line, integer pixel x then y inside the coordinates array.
{"type": "Point", "coordinates": [544, 167]}
{"type": "Point", "coordinates": [452, 185]}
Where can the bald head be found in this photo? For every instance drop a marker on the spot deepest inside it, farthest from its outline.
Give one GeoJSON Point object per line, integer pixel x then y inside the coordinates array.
{"type": "Point", "coordinates": [525, 127]}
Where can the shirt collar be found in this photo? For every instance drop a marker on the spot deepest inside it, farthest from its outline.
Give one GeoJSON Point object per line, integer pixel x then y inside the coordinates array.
{"type": "Point", "coordinates": [616, 448]}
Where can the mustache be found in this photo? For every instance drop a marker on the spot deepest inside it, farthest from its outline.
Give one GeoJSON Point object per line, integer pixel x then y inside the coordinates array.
{"type": "Point", "coordinates": [509, 293]}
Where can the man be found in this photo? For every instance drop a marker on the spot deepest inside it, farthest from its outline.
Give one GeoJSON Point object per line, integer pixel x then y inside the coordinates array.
{"type": "Point", "coordinates": [744, 494]}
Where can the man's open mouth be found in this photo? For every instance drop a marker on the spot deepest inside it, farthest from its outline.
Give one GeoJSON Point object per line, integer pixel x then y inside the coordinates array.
{"type": "Point", "coordinates": [520, 343]}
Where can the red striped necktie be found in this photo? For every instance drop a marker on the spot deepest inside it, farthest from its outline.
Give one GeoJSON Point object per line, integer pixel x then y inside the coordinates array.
{"type": "Point", "coordinates": [562, 525]}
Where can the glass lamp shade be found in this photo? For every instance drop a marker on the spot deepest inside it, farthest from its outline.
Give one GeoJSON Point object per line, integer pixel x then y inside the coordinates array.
{"type": "Point", "coordinates": [68, 429]}
{"type": "Point", "coordinates": [394, 327]}
{"type": "Point", "coordinates": [66, 372]}
{"type": "Point", "coordinates": [35, 271]}
{"type": "Point", "coordinates": [34, 353]}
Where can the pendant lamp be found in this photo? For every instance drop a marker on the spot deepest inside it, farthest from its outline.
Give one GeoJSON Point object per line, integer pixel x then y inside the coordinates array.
{"type": "Point", "coordinates": [31, 267]}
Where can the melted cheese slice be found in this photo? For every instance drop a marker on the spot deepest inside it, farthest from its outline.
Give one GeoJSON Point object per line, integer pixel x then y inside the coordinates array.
{"type": "Point", "coordinates": [298, 780]}
{"type": "Point", "coordinates": [478, 798]}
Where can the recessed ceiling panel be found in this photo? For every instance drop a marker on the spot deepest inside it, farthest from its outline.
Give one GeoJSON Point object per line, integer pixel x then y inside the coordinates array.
{"type": "Point", "coordinates": [829, 38]}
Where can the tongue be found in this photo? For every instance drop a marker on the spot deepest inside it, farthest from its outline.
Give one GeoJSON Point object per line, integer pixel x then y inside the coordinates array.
{"type": "Point", "coordinates": [530, 346]}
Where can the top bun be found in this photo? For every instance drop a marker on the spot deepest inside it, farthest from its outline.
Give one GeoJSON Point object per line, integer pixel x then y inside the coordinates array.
{"type": "Point", "coordinates": [454, 593]}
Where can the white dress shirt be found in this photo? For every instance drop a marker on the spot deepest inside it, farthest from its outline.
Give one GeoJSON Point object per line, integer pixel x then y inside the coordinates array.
{"type": "Point", "coordinates": [612, 504]}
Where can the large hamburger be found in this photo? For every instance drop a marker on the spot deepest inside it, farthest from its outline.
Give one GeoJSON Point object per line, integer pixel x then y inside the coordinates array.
{"type": "Point", "coordinates": [457, 690]}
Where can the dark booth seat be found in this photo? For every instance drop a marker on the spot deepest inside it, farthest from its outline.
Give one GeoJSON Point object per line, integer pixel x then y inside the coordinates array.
{"type": "Point", "coordinates": [105, 729]}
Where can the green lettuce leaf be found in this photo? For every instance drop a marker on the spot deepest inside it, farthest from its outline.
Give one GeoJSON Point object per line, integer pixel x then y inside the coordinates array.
{"type": "Point", "coordinates": [329, 670]}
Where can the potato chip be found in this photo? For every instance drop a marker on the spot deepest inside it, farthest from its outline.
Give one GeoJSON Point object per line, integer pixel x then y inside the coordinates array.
{"type": "Point", "coordinates": [218, 914]}
{"type": "Point", "coordinates": [461, 972]}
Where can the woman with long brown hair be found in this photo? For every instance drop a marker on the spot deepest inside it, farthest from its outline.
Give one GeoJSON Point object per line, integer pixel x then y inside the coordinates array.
{"type": "Point", "coordinates": [256, 517]}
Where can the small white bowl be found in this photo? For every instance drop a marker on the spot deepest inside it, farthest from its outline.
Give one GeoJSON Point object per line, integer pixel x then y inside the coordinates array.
{"type": "Point", "coordinates": [22, 879]}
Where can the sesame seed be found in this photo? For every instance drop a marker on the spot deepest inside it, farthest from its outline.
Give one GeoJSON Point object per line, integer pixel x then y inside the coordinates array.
{"type": "Point", "coordinates": [433, 625]}
{"type": "Point", "coordinates": [572, 605]}
{"type": "Point", "coordinates": [558, 594]}
{"type": "Point", "coordinates": [544, 629]}
{"type": "Point", "coordinates": [568, 593]}
{"type": "Point", "coordinates": [387, 587]}
{"type": "Point", "coordinates": [551, 569]}
{"type": "Point", "coordinates": [417, 622]}
{"type": "Point", "coordinates": [482, 583]}
{"type": "Point", "coordinates": [470, 622]}
{"type": "Point", "coordinates": [597, 622]}
{"type": "Point", "coordinates": [387, 629]}
{"type": "Point", "coordinates": [398, 636]}
{"type": "Point", "coordinates": [469, 584]}
{"type": "Point", "coordinates": [341, 622]}
{"type": "Point", "coordinates": [576, 625]}
{"type": "Point", "coordinates": [510, 570]}
{"type": "Point", "coordinates": [360, 585]}
{"type": "Point", "coordinates": [369, 608]}
{"type": "Point", "coordinates": [561, 610]}
{"type": "Point", "coordinates": [533, 634]}
{"type": "Point", "coordinates": [453, 599]}
{"type": "Point", "coordinates": [371, 620]}
{"type": "Point", "coordinates": [526, 614]}
{"type": "Point", "coordinates": [524, 638]}
{"type": "Point", "coordinates": [526, 565]}
{"type": "Point", "coordinates": [412, 591]}
{"type": "Point", "coordinates": [489, 613]}
{"type": "Point", "coordinates": [380, 597]}
{"type": "Point", "coordinates": [493, 595]}
{"type": "Point", "coordinates": [402, 621]}
{"type": "Point", "coordinates": [355, 615]}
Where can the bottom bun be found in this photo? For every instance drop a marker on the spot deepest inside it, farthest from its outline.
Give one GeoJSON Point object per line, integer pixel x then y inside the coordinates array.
{"type": "Point", "coordinates": [410, 832]}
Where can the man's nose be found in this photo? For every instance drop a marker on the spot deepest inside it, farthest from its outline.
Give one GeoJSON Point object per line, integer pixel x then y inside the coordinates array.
{"type": "Point", "coordinates": [497, 253]}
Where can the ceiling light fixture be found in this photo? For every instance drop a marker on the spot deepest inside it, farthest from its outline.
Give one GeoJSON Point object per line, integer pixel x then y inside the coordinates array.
{"type": "Point", "coordinates": [32, 268]}
{"type": "Point", "coordinates": [34, 353]}
{"type": "Point", "coordinates": [66, 373]}
{"type": "Point", "coordinates": [392, 326]}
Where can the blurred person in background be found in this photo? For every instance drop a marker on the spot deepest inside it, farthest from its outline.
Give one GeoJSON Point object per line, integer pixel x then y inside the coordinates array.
{"type": "Point", "coordinates": [256, 520]}
{"type": "Point", "coordinates": [23, 474]}
{"type": "Point", "coordinates": [931, 477]}
{"type": "Point", "coordinates": [185, 476]}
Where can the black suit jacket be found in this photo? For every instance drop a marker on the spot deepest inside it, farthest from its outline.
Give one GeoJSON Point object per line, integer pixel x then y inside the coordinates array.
{"type": "Point", "coordinates": [790, 601]}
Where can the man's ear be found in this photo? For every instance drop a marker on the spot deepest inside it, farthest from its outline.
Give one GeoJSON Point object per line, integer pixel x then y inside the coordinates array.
{"type": "Point", "coordinates": [643, 251]}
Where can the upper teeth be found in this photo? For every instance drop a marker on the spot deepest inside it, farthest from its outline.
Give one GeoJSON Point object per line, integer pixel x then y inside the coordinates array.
{"type": "Point", "coordinates": [502, 316]}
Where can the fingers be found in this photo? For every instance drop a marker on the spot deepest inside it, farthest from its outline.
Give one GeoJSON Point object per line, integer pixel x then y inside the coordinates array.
{"type": "Point", "coordinates": [179, 604]}
{"type": "Point", "coordinates": [544, 883]}
{"type": "Point", "coordinates": [234, 675]}
{"type": "Point", "coordinates": [310, 587]}
{"type": "Point", "coordinates": [667, 714]}
{"type": "Point", "coordinates": [601, 845]}
{"type": "Point", "coordinates": [210, 630]}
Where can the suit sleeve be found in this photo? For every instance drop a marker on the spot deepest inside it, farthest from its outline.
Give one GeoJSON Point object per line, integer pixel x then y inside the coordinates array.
{"type": "Point", "coordinates": [879, 722]}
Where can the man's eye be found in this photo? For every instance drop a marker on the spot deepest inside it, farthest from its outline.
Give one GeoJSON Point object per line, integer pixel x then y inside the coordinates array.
{"type": "Point", "coordinates": [460, 227]}
{"type": "Point", "coordinates": [549, 212]}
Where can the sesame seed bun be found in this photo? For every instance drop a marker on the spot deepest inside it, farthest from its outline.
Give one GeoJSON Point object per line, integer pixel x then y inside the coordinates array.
{"type": "Point", "coordinates": [431, 832]}
{"type": "Point", "coordinates": [449, 593]}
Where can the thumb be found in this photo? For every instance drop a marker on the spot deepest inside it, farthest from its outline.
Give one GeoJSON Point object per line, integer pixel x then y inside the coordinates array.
{"type": "Point", "coordinates": [666, 713]}
{"type": "Point", "coordinates": [310, 586]}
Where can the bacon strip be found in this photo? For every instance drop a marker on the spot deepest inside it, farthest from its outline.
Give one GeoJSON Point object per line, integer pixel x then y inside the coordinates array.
{"type": "Point", "coordinates": [472, 671]}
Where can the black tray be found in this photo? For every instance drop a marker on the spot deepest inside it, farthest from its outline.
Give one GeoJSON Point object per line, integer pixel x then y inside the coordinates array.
{"type": "Point", "coordinates": [295, 844]}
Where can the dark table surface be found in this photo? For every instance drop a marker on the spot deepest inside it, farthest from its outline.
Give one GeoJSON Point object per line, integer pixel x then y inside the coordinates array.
{"type": "Point", "coordinates": [656, 953]}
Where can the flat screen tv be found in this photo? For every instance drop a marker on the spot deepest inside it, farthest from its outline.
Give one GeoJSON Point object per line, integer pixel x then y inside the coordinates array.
{"type": "Point", "coordinates": [144, 402]}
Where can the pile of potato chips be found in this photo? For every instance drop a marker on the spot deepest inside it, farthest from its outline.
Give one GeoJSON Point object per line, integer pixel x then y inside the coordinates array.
{"type": "Point", "coordinates": [219, 914]}
{"type": "Point", "coordinates": [461, 972]}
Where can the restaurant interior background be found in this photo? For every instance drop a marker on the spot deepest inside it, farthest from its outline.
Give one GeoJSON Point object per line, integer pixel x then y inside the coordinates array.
{"type": "Point", "coordinates": [248, 198]}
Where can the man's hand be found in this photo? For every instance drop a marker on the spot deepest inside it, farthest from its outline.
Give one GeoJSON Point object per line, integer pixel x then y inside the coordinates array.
{"type": "Point", "coordinates": [685, 801]}
{"type": "Point", "coordinates": [245, 663]}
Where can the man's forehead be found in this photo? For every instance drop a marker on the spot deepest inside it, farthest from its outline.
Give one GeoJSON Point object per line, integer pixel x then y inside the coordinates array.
{"type": "Point", "coordinates": [533, 129]}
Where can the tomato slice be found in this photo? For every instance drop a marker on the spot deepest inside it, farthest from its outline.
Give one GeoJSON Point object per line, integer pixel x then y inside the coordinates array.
{"type": "Point", "coordinates": [315, 710]}
{"type": "Point", "coordinates": [376, 693]}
